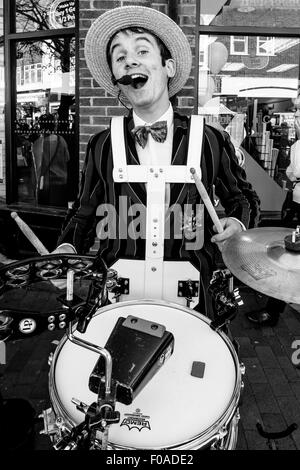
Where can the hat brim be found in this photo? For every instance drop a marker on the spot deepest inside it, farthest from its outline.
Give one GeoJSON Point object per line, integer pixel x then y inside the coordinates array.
{"type": "Point", "coordinates": [112, 21]}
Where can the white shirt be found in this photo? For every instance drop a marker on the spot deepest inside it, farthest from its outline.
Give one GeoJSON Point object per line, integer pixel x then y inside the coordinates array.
{"type": "Point", "coordinates": [157, 153]}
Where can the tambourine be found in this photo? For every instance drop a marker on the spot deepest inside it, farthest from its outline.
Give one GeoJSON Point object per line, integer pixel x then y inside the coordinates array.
{"type": "Point", "coordinates": [33, 292]}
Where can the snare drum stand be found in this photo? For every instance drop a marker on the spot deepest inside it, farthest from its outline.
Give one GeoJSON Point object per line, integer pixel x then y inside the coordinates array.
{"type": "Point", "coordinates": [226, 301]}
{"type": "Point", "coordinates": [92, 433]}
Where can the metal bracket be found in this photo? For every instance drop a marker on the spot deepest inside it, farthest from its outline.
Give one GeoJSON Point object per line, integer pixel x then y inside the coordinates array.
{"type": "Point", "coordinates": [188, 289]}
{"type": "Point", "coordinates": [119, 286]}
{"type": "Point", "coordinates": [124, 285]}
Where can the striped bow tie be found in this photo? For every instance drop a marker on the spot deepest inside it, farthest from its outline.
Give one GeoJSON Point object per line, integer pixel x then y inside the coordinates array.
{"type": "Point", "coordinates": [158, 130]}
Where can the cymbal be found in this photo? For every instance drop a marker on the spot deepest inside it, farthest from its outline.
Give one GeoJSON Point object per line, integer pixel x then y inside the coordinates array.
{"type": "Point", "coordinates": [259, 259]}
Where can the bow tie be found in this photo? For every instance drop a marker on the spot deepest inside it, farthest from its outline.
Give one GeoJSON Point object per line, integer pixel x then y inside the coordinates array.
{"type": "Point", "coordinates": [158, 130]}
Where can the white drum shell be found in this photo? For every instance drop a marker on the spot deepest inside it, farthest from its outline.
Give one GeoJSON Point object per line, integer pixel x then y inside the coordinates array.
{"type": "Point", "coordinates": [178, 411]}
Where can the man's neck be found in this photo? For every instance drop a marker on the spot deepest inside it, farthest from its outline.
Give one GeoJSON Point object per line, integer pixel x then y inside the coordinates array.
{"type": "Point", "coordinates": [152, 115]}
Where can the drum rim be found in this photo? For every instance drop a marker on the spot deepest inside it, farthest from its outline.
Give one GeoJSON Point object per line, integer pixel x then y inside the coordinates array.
{"type": "Point", "coordinates": [208, 434]}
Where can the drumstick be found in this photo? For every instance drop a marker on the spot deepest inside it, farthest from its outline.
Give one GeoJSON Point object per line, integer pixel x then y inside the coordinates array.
{"type": "Point", "coordinates": [41, 249]}
{"type": "Point", "coordinates": [205, 197]}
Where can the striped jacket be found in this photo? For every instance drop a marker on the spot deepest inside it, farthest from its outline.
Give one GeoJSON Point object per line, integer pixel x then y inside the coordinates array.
{"type": "Point", "coordinates": [219, 167]}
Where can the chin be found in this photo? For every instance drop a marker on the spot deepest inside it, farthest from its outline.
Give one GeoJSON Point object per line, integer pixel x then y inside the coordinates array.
{"type": "Point", "coordinates": [141, 101]}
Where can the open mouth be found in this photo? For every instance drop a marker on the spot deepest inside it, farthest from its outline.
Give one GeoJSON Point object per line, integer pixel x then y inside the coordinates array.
{"type": "Point", "coordinates": [138, 80]}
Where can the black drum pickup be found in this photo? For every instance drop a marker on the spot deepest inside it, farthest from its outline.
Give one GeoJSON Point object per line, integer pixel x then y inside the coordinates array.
{"type": "Point", "coordinates": [139, 348]}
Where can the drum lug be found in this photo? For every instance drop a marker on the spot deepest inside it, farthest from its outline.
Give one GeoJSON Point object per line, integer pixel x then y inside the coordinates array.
{"type": "Point", "coordinates": [219, 443]}
{"type": "Point", "coordinates": [53, 425]}
{"type": "Point", "coordinates": [241, 393]}
{"type": "Point", "coordinates": [50, 359]}
{"type": "Point", "coordinates": [242, 368]}
{"type": "Point", "coordinates": [54, 345]}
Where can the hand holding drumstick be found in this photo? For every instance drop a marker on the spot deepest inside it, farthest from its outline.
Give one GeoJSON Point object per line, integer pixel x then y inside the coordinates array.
{"type": "Point", "coordinates": [224, 227]}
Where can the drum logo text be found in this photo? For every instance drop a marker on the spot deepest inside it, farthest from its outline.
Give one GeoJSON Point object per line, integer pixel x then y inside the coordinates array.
{"type": "Point", "coordinates": [136, 420]}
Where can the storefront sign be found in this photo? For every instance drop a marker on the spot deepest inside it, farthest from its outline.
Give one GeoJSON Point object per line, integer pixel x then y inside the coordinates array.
{"type": "Point", "coordinates": [62, 14]}
{"type": "Point", "coordinates": [31, 97]}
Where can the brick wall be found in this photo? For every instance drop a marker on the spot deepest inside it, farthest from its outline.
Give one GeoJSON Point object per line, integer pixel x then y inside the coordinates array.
{"type": "Point", "coordinates": [96, 106]}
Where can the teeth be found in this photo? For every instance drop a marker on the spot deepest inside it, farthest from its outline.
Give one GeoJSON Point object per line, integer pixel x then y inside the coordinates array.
{"type": "Point", "coordinates": [138, 75]}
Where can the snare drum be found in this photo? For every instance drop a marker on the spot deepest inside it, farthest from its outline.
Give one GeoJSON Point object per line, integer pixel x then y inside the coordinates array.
{"type": "Point", "coordinates": [176, 409]}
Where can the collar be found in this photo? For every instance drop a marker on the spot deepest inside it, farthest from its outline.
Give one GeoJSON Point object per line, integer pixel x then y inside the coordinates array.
{"type": "Point", "coordinates": [167, 116]}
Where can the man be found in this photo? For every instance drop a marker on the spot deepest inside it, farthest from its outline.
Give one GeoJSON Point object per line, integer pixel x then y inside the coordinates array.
{"type": "Point", "coordinates": [149, 48]}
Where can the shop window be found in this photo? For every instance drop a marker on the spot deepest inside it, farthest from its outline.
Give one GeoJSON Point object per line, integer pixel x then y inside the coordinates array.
{"type": "Point", "coordinates": [265, 46]}
{"type": "Point", "coordinates": [38, 15]}
{"type": "Point", "coordinates": [45, 118]}
{"type": "Point", "coordinates": [238, 45]}
{"type": "Point", "coordinates": [2, 115]}
{"type": "Point", "coordinates": [253, 97]}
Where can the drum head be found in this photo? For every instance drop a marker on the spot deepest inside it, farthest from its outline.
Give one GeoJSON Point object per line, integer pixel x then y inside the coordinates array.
{"type": "Point", "coordinates": [174, 407]}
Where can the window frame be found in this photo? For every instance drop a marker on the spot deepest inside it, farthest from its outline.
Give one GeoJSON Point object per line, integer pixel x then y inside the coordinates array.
{"type": "Point", "coordinates": [10, 40]}
{"type": "Point", "coordinates": [234, 41]}
{"type": "Point", "coordinates": [258, 42]}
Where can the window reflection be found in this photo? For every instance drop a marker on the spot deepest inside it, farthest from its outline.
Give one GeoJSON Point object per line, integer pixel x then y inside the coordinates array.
{"type": "Point", "coordinates": [50, 158]}
{"type": "Point", "coordinates": [267, 13]}
{"type": "Point", "coordinates": [248, 86]}
{"type": "Point", "coordinates": [35, 15]}
{"type": "Point", "coordinates": [45, 119]}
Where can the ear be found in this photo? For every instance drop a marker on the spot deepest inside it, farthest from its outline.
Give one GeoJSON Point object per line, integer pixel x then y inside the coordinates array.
{"type": "Point", "coordinates": [170, 67]}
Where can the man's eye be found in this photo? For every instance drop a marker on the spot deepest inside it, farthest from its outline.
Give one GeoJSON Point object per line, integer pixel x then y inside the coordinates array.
{"type": "Point", "coordinates": [143, 51]}
{"type": "Point", "coordinates": [119, 59]}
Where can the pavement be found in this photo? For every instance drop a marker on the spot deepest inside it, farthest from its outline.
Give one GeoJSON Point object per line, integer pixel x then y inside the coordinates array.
{"type": "Point", "coordinates": [271, 395]}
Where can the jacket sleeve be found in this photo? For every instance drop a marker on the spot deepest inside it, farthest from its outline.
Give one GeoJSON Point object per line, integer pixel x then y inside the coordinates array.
{"type": "Point", "coordinates": [79, 225]}
{"type": "Point", "coordinates": [236, 194]}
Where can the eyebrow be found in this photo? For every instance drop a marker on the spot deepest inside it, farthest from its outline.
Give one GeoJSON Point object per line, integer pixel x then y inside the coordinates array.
{"type": "Point", "coordinates": [139, 38]}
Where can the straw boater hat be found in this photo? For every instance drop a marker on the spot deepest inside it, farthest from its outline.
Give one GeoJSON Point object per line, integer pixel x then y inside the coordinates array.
{"type": "Point", "coordinates": [112, 21]}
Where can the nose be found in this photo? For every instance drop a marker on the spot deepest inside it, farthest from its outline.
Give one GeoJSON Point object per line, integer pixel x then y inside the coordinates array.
{"type": "Point", "coordinates": [131, 61]}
